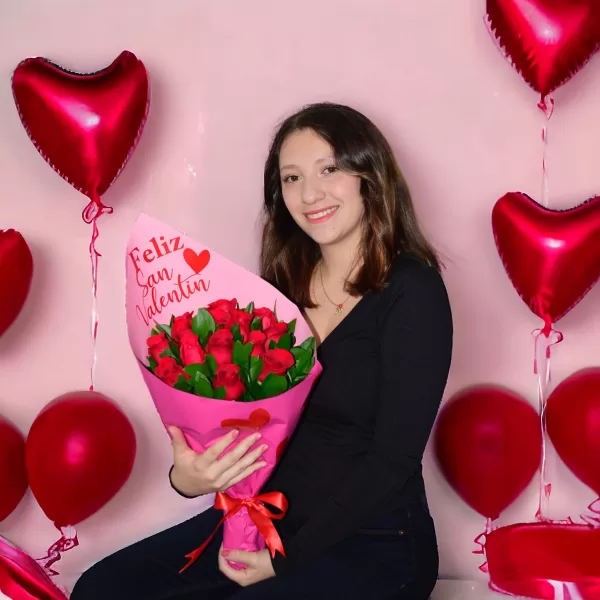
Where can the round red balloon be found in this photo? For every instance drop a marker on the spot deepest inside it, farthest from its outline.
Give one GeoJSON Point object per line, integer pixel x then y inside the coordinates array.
{"type": "Point", "coordinates": [547, 41]}
{"type": "Point", "coordinates": [573, 424]}
{"type": "Point", "coordinates": [552, 257]}
{"type": "Point", "coordinates": [86, 125]}
{"type": "Point", "coordinates": [488, 445]}
{"type": "Point", "coordinates": [79, 453]}
{"type": "Point", "coordinates": [16, 271]}
{"type": "Point", "coordinates": [13, 475]}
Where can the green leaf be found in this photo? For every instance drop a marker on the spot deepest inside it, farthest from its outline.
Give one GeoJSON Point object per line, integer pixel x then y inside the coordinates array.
{"type": "Point", "coordinates": [203, 324]}
{"type": "Point", "coordinates": [154, 332]}
{"type": "Point", "coordinates": [175, 350]}
{"type": "Point", "coordinates": [241, 354]}
{"type": "Point", "coordinates": [250, 308]}
{"type": "Point", "coordinates": [256, 367]}
{"type": "Point", "coordinates": [172, 320]}
{"type": "Point", "coordinates": [202, 386]}
{"type": "Point", "coordinates": [308, 344]}
{"type": "Point", "coordinates": [292, 327]}
{"type": "Point", "coordinates": [256, 324]}
{"type": "Point", "coordinates": [152, 363]}
{"type": "Point", "coordinates": [273, 385]}
{"type": "Point", "coordinates": [305, 363]}
{"type": "Point", "coordinates": [167, 352]}
{"type": "Point", "coordinates": [237, 335]}
{"type": "Point", "coordinates": [182, 384]}
{"type": "Point", "coordinates": [292, 373]}
{"type": "Point", "coordinates": [272, 345]}
{"type": "Point", "coordinates": [193, 370]}
{"type": "Point", "coordinates": [211, 362]}
{"type": "Point", "coordinates": [220, 393]}
{"type": "Point", "coordinates": [164, 329]}
{"type": "Point", "coordinates": [285, 341]}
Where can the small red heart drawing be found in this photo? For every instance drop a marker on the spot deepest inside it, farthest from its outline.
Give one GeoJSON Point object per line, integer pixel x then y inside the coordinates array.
{"type": "Point", "coordinates": [281, 448]}
{"type": "Point", "coordinates": [197, 262]}
{"type": "Point", "coordinates": [258, 418]}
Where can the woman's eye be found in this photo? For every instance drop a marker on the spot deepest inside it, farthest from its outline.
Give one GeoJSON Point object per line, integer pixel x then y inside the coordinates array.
{"type": "Point", "coordinates": [290, 178]}
{"type": "Point", "coordinates": [330, 169]}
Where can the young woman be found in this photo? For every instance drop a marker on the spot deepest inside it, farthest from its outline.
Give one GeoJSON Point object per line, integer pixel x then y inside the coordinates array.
{"type": "Point", "coordinates": [342, 241]}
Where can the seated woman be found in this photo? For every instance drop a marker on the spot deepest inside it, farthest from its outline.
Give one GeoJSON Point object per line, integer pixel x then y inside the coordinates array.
{"type": "Point", "coordinates": [341, 240]}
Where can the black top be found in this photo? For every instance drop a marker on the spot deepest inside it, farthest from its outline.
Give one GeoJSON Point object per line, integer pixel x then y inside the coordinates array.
{"type": "Point", "coordinates": [357, 450]}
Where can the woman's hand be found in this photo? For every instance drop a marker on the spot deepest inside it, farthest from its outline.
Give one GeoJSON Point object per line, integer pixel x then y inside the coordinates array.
{"type": "Point", "coordinates": [258, 566]}
{"type": "Point", "coordinates": [196, 474]}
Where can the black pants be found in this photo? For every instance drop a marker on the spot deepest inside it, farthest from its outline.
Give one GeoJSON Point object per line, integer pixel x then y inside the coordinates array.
{"type": "Point", "coordinates": [395, 559]}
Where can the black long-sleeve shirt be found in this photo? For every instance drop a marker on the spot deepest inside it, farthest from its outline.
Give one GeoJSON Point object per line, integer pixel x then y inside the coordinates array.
{"type": "Point", "coordinates": [357, 450]}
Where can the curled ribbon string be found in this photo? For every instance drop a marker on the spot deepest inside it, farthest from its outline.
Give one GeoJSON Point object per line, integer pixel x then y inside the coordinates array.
{"type": "Point", "coordinates": [593, 519]}
{"type": "Point", "coordinates": [480, 541]}
{"type": "Point", "coordinates": [258, 512]}
{"type": "Point", "coordinates": [90, 215]}
{"type": "Point", "coordinates": [541, 367]}
{"type": "Point", "coordinates": [547, 107]}
{"type": "Point", "coordinates": [67, 541]}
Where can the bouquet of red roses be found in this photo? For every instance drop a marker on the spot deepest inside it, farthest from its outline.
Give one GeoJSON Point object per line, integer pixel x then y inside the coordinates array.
{"type": "Point", "coordinates": [226, 353]}
{"type": "Point", "coordinates": [199, 358]}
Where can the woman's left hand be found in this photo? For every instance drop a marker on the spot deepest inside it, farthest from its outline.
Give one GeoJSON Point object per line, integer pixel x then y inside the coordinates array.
{"type": "Point", "coordinates": [258, 566]}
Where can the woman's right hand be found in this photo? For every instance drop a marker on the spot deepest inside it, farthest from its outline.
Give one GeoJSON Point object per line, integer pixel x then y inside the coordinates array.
{"type": "Point", "coordinates": [196, 474]}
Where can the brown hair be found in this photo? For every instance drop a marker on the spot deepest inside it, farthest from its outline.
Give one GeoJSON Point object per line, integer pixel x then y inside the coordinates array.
{"type": "Point", "coordinates": [289, 256]}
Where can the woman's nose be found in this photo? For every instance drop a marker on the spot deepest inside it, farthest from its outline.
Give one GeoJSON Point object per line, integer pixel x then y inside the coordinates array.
{"type": "Point", "coordinates": [312, 192]}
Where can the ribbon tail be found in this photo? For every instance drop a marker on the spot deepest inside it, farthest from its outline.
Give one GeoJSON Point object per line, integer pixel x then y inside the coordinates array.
{"type": "Point", "coordinates": [265, 526]}
{"type": "Point", "coordinates": [193, 556]}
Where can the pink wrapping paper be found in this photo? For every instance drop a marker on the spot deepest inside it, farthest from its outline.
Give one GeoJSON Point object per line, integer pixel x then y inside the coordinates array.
{"type": "Point", "coordinates": [169, 273]}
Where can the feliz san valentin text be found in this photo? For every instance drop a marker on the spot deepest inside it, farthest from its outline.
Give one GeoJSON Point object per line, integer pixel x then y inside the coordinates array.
{"type": "Point", "coordinates": [154, 303]}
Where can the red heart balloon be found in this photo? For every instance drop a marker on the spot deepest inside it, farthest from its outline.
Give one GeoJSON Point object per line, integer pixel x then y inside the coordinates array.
{"type": "Point", "coordinates": [13, 476]}
{"type": "Point", "coordinates": [552, 257]}
{"type": "Point", "coordinates": [86, 126]}
{"type": "Point", "coordinates": [547, 41]}
{"type": "Point", "coordinates": [79, 453]}
{"type": "Point", "coordinates": [573, 424]}
{"type": "Point", "coordinates": [488, 444]}
{"type": "Point", "coordinates": [16, 270]}
{"type": "Point", "coordinates": [21, 578]}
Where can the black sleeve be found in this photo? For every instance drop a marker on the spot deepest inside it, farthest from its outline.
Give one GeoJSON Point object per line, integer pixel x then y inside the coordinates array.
{"type": "Point", "coordinates": [416, 348]}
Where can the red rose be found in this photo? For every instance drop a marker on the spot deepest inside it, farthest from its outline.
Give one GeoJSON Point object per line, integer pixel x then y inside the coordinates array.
{"type": "Point", "coordinates": [157, 344]}
{"type": "Point", "coordinates": [275, 332]}
{"type": "Point", "coordinates": [267, 316]}
{"type": "Point", "coordinates": [220, 345]}
{"type": "Point", "coordinates": [190, 349]}
{"type": "Point", "coordinates": [258, 338]}
{"type": "Point", "coordinates": [180, 325]}
{"type": "Point", "coordinates": [243, 319]}
{"type": "Point", "coordinates": [276, 361]}
{"type": "Point", "coordinates": [228, 376]}
{"type": "Point", "coordinates": [168, 370]}
{"type": "Point", "coordinates": [221, 311]}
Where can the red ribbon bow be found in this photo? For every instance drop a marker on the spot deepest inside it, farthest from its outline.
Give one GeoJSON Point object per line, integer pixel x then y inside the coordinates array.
{"type": "Point", "coordinates": [258, 512]}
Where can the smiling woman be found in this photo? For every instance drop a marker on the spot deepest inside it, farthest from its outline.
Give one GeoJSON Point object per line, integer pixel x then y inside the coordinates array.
{"type": "Point", "coordinates": [341, 241]}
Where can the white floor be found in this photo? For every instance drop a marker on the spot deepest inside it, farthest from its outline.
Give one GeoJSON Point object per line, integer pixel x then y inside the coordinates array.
{"type": "Point", "coordinates": [465, 590]}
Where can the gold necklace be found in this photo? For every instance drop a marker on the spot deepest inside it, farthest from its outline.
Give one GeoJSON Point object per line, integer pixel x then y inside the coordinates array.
{"type": "Point", "coordinates": [339, 308]}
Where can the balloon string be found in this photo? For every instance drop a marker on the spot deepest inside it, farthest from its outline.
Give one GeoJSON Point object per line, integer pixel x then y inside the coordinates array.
{"type": "Point", "coordinates": [67, 541]}
{"type": "Point", "coordinates": [541, 367]}
{"type": "Point", "coordinates": [547, 107]}
{"type": "Point", "coordinates": [480, 541]}
{"type": "Point", "coordinates": [91, 213]}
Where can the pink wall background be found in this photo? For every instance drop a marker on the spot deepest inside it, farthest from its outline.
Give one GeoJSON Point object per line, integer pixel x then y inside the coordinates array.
{"type": "Point", "coordinates": [465, 128]}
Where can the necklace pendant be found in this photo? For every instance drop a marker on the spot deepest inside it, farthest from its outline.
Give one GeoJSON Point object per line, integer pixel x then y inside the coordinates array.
{"type": "Point", "coordinates": [339, 309]}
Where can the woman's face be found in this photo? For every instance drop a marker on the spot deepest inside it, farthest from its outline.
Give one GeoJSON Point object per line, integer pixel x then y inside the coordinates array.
{"type": "Point", "coordinates": [324, 201]}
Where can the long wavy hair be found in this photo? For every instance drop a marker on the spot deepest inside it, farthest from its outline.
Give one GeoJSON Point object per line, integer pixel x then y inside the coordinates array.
{"type": "Point", "coordinates": [289, 256]}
